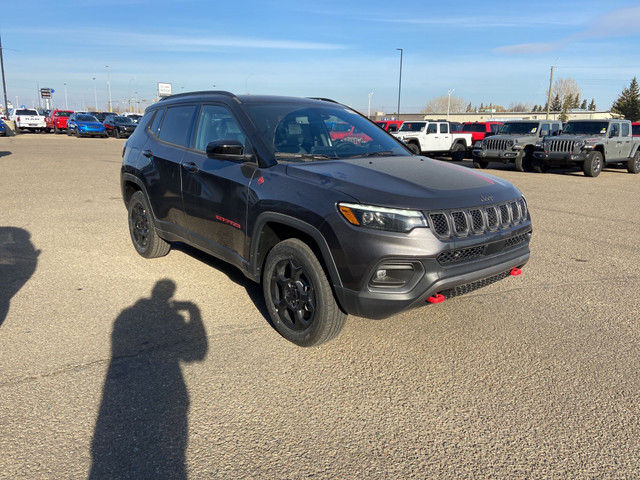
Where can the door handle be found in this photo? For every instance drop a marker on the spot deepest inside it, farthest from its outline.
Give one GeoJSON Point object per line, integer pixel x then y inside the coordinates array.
{"type": "Point", "coordinates": [148, 153]}
{"type": "Point", "coordinates": [191, 167]}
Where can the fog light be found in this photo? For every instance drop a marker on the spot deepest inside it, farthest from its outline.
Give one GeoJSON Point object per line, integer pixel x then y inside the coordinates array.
{"type": "Point", "coordinates": [392, 275]}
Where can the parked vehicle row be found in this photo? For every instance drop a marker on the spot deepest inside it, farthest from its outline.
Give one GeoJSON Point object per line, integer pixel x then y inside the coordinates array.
{"type": "Point", "coordinates": [542, 144]}
{"type": "Point", "coordinates": [56, 121]}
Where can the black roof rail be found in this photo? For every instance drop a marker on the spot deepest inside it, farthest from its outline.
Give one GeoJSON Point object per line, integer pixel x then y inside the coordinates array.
{"type": "Point", "coordinates": [323, 99]}
{"type": "Point", "coordinates": [202, 92]}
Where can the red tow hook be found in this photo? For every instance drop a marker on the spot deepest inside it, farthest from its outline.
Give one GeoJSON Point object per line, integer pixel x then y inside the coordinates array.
{"type": "Point", "coordinates": [515, 272]}
{"type": "Point", "coordinates": [437, 298]}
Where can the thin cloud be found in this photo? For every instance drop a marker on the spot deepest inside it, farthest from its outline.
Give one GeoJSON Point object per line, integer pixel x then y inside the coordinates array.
{"type": "Point", "coordinates": [618, 23]}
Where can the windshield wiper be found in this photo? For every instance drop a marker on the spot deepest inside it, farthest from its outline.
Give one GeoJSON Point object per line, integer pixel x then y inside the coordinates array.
{"type": "Point", "coordinates": [381, 153]}
{"type": "Point", "coordinates": [303, 156]}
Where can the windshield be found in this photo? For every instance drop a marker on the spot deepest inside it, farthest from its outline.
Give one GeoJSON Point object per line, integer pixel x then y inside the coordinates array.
{"type": "Point", "coordinates": [87, 118]}
{"type": "Point", "coordinates": [585, 128]}
{"type": "Point", "coordinates": [309, 133]}
{"type": "Point", "coordinates": [123, 120]}
{"type": "Point", "coordinates": [520, 128]}
{"type": "Point", "coordinates": [62, 114]}
{"type": "Point", "coordinates": [413, 126]}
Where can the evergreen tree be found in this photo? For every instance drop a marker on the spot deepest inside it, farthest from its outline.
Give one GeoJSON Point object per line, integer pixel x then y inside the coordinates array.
{"type": "Point", "coordinates": [592, 105]}
{"type": "Point", "coordinates": [583, 105]}
{"type": "Point", "coordinates": [556, 104]}
{"type": "Point", "coordinates": [628, 103]}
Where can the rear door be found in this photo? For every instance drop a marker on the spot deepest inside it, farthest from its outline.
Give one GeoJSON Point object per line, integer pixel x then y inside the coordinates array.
{"type": "Point", "coordinates": [215, 191]}
{"type": "Point", "coordinates": [161, 157]}
{"type": "Point", "coordinates": [626, 140]}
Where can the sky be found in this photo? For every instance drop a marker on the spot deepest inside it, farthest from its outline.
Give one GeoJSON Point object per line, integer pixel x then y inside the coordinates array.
{"type": "Point", "coordinates": [484, 52]}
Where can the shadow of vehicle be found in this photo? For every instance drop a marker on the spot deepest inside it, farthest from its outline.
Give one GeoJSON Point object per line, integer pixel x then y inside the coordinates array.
{"type": "Point", "coordinates": [142, 425]}
{"type": "Point", "coordinates": [18, 261]}
{"type": "Point", "coordinates": [254, 290]}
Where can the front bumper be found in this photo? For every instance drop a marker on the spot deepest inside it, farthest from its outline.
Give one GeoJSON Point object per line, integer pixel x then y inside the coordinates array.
{"type": "Point", "coordinates": [499, 155]}
{"type": "Point", "coordinates": [557, 158]}
{"type": "Point", "coordinates": [450, 272]}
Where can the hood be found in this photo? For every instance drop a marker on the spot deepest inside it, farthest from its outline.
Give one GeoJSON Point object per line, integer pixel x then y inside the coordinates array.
{"type": "Point", "coordinates": [90, 124]}
{"type": "Point", "coordinates": [406, 182]}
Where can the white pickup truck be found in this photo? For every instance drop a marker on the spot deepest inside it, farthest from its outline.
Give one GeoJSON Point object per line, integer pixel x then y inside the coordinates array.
{"type": "Point", "coordinates": [426, 137]}
{"type": "Point", "coordinates": [28, 119]}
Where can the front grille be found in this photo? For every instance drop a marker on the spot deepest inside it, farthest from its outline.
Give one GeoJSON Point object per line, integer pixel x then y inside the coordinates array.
{"type": "Point", "coordinates": [470, 287]}
{"type": "Point", "coordinates": [497, 144]}
{"type": "Point", "coordinates": [455, 256]}
{"type": "Point", "coordinates": [517, 240]}
{"type": "Point", "coordinates": [463, 223]}
{"type": "Point", "coordinates": [561, 146]}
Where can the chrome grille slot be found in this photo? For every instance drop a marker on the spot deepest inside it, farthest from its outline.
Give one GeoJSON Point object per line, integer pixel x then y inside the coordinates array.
{"type": "Point", "coordinates": [492, 218]}
{"type": "Point", "coordinates": [439, 224]}
{"type": "Point", "coordinates": [477, 221]}
{"type": "Point", "coordinates": [496, 144]}
{"type": "Point", "coordinates": [505, 218]}
{"type": "Point", "coordinates": [460, 224]}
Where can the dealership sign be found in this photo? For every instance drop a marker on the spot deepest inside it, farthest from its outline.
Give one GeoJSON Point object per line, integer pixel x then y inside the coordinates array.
{"type": "Point", "coordinates": [164, 89]}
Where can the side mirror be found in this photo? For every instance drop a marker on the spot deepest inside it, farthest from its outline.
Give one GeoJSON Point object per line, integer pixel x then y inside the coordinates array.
{"type": "Point", "coordinates": [226, 150]}
{"type": "Point", "coordinates": [613, 133]}
{"type": "Point", "coordinates": [544, 133]}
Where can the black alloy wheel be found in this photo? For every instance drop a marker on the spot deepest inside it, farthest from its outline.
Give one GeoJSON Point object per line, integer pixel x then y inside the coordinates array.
{"type": "Point", "coordinates": [142, 229]}
{"type": "Point", "coordinates": [298, 295]}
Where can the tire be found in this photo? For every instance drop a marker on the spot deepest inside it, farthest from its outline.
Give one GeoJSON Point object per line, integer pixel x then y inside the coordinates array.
{"type": "Point", "coordinates": [78, 133]}
{"type": "Point", "coordinates": [524, 161]}
{"type": "Point", "coordinates": [457, 152]}
{"type": "Point", "coordinates": [56, 130]}
{"type": "Point", "coordinates": [592, 166]}
{"type": "Point", "coordinates": [414, 148]}
{"type": "Point", "coordinates": [482, 164]}
{"type": "Point", "coordinates": [68, 132]}
{"type": "Point", "coordinates": [298, 295]}
{"type": "Point", "coordinates": [633, 164]}
{"type": "Point", "coordinates": [142, 229]}
{"type": "Point", "coordinates": [116, 133]}
{"type": "Point", "coordinates": [540, 167]}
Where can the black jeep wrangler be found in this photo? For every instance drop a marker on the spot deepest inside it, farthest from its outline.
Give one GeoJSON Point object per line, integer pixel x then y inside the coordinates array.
{"type": "Point", "coordinates": [329, 224]}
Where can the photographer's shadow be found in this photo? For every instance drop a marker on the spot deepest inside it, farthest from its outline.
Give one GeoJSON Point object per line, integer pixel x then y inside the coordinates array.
{"type": "Point", "coordinates": [142, 426]}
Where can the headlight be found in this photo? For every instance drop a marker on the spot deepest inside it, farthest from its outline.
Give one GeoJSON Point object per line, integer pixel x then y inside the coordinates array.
{"type": "Point", "coordinates": [381, 218]}
{"type": "Point", "coordinates": [578, 144]}
{"type": "Point", "coordinates": [510, 143]}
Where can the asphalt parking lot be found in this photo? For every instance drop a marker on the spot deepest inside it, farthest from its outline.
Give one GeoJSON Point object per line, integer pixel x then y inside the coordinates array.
{"type": "Point", "coordinates": [536, 376]}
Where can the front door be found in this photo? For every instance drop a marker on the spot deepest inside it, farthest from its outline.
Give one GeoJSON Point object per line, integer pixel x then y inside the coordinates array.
{"type": "Point", "coordinates": [216, 191]}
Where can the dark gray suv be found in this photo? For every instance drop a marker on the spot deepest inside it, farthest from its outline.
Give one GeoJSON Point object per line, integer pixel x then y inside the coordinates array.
{"type": "Point", "coordinates": [328, 224]}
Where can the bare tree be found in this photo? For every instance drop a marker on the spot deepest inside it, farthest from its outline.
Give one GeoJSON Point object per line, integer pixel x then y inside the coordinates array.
{"type": "Point", "coordinates": [565, 88]}
{"type": "Point", "coordinates": [439, 105]}
{"type": "Point", "coordinates": [520, 107]}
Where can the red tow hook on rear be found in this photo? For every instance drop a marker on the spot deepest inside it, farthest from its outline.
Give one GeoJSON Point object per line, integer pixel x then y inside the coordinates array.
{"type": "Point", "coordinates": [437, 298]}
{"type": "Point", "coordinates": [515, 271]}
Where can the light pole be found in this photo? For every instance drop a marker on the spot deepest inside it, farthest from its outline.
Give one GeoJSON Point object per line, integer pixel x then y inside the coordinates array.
{"type": "Point", "coordinates": [369, 108]}
{"type": "Point", "coordinates": [95, 93]}
{"type": "Point", "coordinates": [4, 83]}
{"type": "Point", "coordinates": [129, 92]}
{"type": "Point", "coordinates": [449, 92]}
{"type": "Point", "coordinates": [399, 82]}
{"type": "Point", "coordinates": [66, 101]}
{"type": "Point", "coordinates": [109, 85]}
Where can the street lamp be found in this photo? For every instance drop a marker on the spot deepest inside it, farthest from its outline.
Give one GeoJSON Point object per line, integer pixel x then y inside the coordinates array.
{"type": "Point", "coordinates": [369, 109]}
{"type": "Point", "coordinates": [66, 102]}
{"type": "Point", "coordinates": [399, 82]}
{"type": "Point", "coordinates": [109, 84]}
{"type": "Point", "coordinates": [449, 92]}
{"type": "Point", "coordinates": [95, 93]}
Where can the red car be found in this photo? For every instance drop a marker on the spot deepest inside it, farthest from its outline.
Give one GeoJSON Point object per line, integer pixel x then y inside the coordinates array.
{"type": "Point", "coordinates": [57, 121]}
{"type": "Point", "coordinates": [348, 133]}
{"type": "Point", "coordinates": [389, 125]}
{"type": "Point", "coordinates": [635, 129]}
{"type": "Point", "coordinates": [479, 130]}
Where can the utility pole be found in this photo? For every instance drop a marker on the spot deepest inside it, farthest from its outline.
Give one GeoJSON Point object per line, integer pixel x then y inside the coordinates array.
{"type": "Point", "coordinates": [4, 83]}
{"type": "Point", "coordinates": [399, 83]}
{"type": "Point", "coordinates": [549, 96]}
